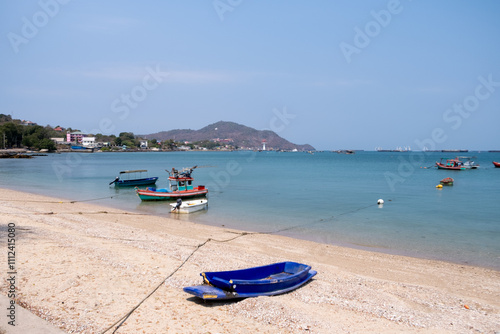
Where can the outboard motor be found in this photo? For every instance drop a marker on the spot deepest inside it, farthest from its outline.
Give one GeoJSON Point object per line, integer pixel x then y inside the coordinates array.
{"type": "Point", "coordinates": [115, 180]}
{"type": "Point", "coordinates": [179, 203]}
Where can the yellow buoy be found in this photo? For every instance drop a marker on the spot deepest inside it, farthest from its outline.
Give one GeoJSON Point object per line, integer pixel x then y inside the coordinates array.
{"type": "Point", "coordinates": [439, 186]}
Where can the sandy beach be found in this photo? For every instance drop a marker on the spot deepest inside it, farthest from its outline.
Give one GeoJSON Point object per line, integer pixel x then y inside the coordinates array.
{"type": "Point", "coordinates": [82, 267]}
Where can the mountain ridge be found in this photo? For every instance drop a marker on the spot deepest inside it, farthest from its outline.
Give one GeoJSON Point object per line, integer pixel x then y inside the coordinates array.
{"type": "Point", "coordinates": [232, 133]}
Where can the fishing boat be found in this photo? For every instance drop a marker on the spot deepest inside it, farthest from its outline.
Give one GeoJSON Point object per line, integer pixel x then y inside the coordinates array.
{"type": "Point", "coordinates": [458, 163]}
{"type": "Point", "coordinates": [451, 164]}
{"type": "Point", "coordinates": [447, 181]}
{"type": "Point", "coordinates": [130, 178]}
{"type": "Point", "coordinates": [188, 206]}
{"type": "Point", "coordinates": [272, 279]}
{"type": "Point", "coordinates": [180, 186]}
{"type": "Point", "coordinates": [497, 164]}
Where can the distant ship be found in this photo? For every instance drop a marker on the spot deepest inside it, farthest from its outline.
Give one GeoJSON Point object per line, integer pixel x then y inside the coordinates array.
{"type": "Point", "coordinates": [398, 149]}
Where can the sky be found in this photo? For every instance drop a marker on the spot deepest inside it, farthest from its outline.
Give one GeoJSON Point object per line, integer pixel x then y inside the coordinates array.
{"type": "Point", "coordinates": [333, 74]}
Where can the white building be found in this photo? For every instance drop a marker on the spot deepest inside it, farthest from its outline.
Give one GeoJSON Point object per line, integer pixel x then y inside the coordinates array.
{"type": "Point", "coordinates": [88, 142]}
{"type": "Point", "coordinates": [58, 140]}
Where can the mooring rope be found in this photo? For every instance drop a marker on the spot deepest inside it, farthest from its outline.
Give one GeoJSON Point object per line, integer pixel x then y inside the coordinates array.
{"type": "Point", "coordinates": [128, 314]}
{"type": "Point", "coordinates": [56, 202]}
{"type": "Point", "coordinates": [124, 318]}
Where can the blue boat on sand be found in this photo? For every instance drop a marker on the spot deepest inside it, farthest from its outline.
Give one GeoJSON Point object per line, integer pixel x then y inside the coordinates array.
{"type": "Point", "coordinates": [272, 279]}
{"type": "Point", "coordinates": [133, 178]}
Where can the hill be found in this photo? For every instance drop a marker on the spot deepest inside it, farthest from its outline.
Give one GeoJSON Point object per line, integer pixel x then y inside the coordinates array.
{"type": "Point", "coordinates": [232, 133]}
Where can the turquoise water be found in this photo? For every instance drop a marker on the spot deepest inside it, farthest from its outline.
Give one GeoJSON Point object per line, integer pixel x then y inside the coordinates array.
{"type": "Point", "coordinates": [325, 197]}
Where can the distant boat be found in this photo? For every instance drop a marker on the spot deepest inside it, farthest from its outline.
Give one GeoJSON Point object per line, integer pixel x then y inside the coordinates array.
{"type": "Point", "coordinates": [77, 148]}
{"type": "Point", "coordinates": [497, 164]}
{"type": "Point", "coordinates": [188, 206]}
{"type": "Point", "coordinates": [180, 186]}
{"type": "Point", "coordinates": [272, 279]}
{"type": "Point", "coordinates": [447, 181]}
{"type": "Point", "coordinates": [398, 149]}
{"type": "Point", "coordinates": [133, 179]}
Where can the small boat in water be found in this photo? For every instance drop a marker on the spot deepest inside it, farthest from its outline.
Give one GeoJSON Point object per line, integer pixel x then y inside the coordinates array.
{"type": "Point", "coordinates": [447, 181]}
{"type": "Point", "coordinates": [469, 163]}
{"type": "Point", "coordinates": [180, 186]}
{"type": "Point", "coordinates": [272, 279]}
{"type": "Point", "coordinates": [497, 164]}
{"type": "Point", "coordinates": [130, 178]}
{"type": "Point", "coordinates": [188, 206]}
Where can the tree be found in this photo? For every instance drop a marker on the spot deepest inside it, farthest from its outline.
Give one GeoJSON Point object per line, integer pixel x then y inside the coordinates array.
{"type": "Point", "coordinates": [5, 118]}
{"type": "Point", "coordinates": [13, 134]}
{"type": "Point", "coordinates": [46, 143]}
{"type": "Point", "coordinates": [38, 137]}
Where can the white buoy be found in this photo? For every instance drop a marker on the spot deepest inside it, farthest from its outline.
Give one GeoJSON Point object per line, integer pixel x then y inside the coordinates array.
{"type": "Point", "coordinates": [380, 201]}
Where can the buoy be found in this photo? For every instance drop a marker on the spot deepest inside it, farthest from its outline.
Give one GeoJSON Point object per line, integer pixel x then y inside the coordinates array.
{"type": "Point", "coordinates": [380, 201]}
{"type": "Point", "coordinates": [439, 186]}
{"type": "Point", "coordinates": [467, 307]}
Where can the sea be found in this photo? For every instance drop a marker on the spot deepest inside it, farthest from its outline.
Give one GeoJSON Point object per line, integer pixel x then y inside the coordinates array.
{"type": "Point", "coordinates": [325, 197]}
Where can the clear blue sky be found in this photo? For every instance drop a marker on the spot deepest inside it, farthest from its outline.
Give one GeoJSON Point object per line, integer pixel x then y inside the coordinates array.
{"type": "Point", "coordinates": [333, 74]}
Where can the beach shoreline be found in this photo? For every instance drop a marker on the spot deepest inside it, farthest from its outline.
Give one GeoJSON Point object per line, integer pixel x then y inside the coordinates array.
{"type": "Point", "coordinates": [83, 266]}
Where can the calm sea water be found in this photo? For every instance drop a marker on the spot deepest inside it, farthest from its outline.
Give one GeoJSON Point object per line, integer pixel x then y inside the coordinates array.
{"type": "Point", "coordinates": [325, 196]}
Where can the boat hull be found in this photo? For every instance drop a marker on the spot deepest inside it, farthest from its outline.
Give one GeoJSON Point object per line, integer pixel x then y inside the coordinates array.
{"type": "Point", "coordinates": [252, 282]}
{"type": "Point", "coordinates": [447, 181]}
{"type": "Point", "coordinates": [443, 166]}
{"type": "Point", "coordinates": [189, 206]}
{"type": "Point", "coordinates": [497, 164]}
{"type": "Point", "coordinates": [208, 292]}
{"type": "Point", "coordinates": [136, 182]}
{"type": "Point", "coordinates": [155, 195]}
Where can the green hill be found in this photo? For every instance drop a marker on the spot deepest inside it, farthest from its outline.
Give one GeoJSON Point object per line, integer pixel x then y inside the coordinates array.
{"type": "Point", "coordinates": [232, 133]}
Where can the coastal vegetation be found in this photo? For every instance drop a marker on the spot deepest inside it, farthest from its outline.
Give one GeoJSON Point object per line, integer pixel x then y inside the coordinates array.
{"type": "Point", "coordinates": [16, 134]}
{"type": "Point", "coordinates": [21, 134]}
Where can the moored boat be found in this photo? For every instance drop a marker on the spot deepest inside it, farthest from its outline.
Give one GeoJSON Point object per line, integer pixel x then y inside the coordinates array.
{"type": "Point", "coordinates": [180, 186]}
{"type": "Point", "coordinates": [450, 164]}
{"type": "Point", "coordinates": [497, 164]}
{"type": "Point", "coordinates": [130, 178]}
{"type": "Point", "coordinates": [447, 181]}
{"type": "Point", "coordinates": [468, 163]}
{"type": "Point", "coordinates": [188, 206]}
{"type": "Point", "coordinates": [272, 279]}
{"type": "Point", "coordinates": [457, 163]}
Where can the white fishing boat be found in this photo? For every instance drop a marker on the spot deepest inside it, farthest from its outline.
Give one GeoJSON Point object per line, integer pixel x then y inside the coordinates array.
{"type": "Point", "coordinates": [188, 206]}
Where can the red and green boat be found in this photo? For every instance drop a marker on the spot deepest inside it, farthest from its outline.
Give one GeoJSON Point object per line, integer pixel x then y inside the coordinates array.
{"type": "Point", "coordinates": [180, 186]}
{"type": "Point", "coordinates": [447, 181]}
{"type": "Point", "coordinates": [458, 163]}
